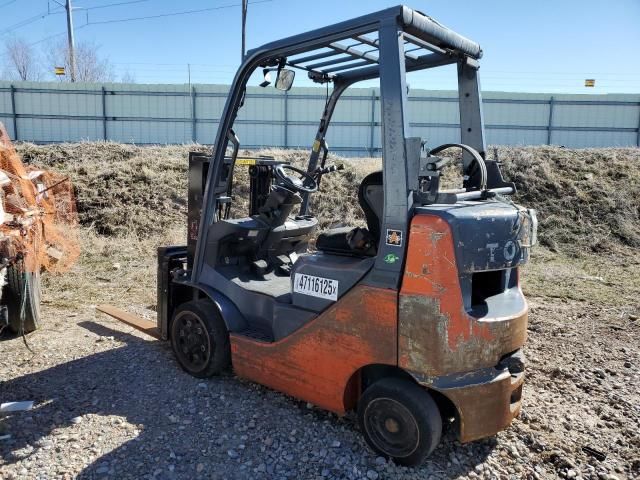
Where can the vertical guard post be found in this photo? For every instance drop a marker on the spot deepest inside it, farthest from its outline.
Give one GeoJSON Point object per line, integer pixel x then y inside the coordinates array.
{"type": "Point", "coordinates": [471, 117]}
{"type": "Point", "coordinates": [393, 94]}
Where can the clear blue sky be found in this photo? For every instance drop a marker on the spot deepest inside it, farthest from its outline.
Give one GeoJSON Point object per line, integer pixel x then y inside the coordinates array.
{"type": "Point", "coordinates": [538, 46]}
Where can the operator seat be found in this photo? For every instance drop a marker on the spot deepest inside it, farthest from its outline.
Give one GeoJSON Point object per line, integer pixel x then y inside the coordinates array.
{"type": "Point", "coordinates": [358, 241]}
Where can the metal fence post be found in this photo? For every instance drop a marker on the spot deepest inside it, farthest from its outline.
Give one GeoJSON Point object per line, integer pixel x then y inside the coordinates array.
{"type": "Point", "coordinates": [14, 114]}
{"type": "Point", "coordinates": [286, 119]}
{"type": "Point", "coordinates": [550, 124]}
{"type": "Point", "coordinates": [104, 114]}
{"type": "Point", "coordinates": [194, 132]}
{"type": "Point", "coordinates": [638, 136]}
{"type": "Point", "coordinates": [372, 131]}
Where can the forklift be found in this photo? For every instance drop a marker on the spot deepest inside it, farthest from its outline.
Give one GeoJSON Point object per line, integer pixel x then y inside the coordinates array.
{"type": "Point", "coordinates": [415, 322]}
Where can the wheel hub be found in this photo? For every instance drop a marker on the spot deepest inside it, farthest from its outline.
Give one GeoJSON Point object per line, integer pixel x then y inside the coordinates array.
{"type": "Point", "coordinates": [392, 427]}
{"type": "Point", "coordinates": [192, 341]}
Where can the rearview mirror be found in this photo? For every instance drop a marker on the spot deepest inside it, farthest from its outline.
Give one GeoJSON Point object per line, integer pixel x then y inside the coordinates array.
{"type": "Point", "coordinates": [285, 79]}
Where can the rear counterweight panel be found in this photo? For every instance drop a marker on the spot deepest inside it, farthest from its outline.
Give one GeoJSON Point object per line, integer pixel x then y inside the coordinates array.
{"type": "Point", "coordinates": [436, 335]}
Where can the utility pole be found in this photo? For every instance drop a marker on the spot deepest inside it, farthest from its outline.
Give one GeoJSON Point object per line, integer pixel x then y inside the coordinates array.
{"type": "Point", "coordinates": [72, 55]}
{"type": "Point", "coordinates": [244, 25]}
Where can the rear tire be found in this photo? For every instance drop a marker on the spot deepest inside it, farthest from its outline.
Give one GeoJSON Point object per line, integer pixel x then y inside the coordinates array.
{"type": "Point", "coordinates": [21, 284]}
{"type": "Point", "coordinates": [200, 339]}
{"type": "Point", "coordinates": [400, 420]}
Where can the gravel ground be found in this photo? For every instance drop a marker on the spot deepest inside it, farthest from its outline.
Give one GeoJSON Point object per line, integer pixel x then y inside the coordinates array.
{"type": "Point", "coordinates": [112, 403]}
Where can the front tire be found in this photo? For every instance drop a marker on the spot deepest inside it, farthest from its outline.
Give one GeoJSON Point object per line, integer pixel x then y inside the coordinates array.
{"type": "Point", "coordinates": [200, 339]}
{"type": "Point", "coordinates": [22, 294]}
{"type": "Point", "coordinates": [400, 420]}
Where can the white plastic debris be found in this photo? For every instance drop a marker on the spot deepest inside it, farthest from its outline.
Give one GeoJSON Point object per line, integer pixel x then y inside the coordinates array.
{"type": "Point", "coordinates": [16, 406]}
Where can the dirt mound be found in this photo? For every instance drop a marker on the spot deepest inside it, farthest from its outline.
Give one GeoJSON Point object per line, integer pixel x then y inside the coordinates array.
{"type": "Point", "coordinates": [121, 189]}
{"type": "Point", "coordinates": [588, 200]}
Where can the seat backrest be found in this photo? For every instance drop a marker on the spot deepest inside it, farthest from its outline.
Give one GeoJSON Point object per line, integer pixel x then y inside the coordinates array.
{"type": "Point", "coordinates": [371, 198]}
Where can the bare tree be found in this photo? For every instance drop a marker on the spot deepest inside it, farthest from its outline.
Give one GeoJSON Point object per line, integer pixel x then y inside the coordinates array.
{"type": "Point", "coordinates": [128, 77]}
{"type": "Point", "coordinates": [21, 60]}
{"type": "Point", "coordinates": [90, 67]}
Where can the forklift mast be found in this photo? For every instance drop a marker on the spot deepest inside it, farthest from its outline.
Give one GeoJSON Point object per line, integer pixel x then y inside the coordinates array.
{"type": "Point", "coordinates": [260, 181]}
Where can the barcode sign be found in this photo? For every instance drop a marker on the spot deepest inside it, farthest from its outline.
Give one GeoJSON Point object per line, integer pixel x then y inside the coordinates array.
{"type": "Point", "coordinates": [316, 286]}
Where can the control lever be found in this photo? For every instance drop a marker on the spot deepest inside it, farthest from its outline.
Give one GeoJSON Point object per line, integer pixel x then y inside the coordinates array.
{"type": "Point", "coordinates": [331, 168]}
{"type": "Point", "coordinates": [320, 171]}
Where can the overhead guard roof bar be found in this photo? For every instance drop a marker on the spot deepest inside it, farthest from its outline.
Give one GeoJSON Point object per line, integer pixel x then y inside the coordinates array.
{"type": "Point", "coordinates": [316, 66]}
{"type": "Point", "coordinates": [422, 44]}
{"type": "Point", "coordinates": [316, 56]}
{"type": "Point", "coordinates": [429, 30]}
{"type": "Point", "coordinates": [410, 39]}
{"type": "Point", "coordinates": [413, 22]}
{"type": "Point", "coordinates": [347, 67]}
{"type": "Point", "coordinates": [354, 52]}
{"type": "Point", "coordinates": [427, 61]}
{"type": "Point", "coordinates": [420, 32]}
{"type": "Point", "coordinates": [351, 51]}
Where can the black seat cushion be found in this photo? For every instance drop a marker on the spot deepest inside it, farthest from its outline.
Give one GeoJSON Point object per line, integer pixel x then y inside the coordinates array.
{"type": "Point", "coordinates": [359, 241]}
{"type": "Point", "coordinates": [371, 198]}
{"type": "Point", "coordinates": [347, 241]}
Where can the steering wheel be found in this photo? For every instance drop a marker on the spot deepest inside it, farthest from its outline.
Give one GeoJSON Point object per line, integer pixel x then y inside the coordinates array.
{"type": "Point", "coordinates": [476, 157]}
{"type": "Point", "coordinates": [305, 183]}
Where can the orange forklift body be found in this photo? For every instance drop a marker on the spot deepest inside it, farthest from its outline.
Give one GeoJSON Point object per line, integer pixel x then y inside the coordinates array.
{"type": "Point", "coordinates": [421, 329]}
{"type": "Point", "coordinates": [320, 362]}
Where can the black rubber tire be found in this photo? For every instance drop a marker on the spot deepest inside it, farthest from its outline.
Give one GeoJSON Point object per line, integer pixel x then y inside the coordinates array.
{"type": "Point", "coordinates": [206, 336]}
{"type": "Point", "coordinates": [12, 297]}
{"type": "Point", "coordinates": [406, 414]}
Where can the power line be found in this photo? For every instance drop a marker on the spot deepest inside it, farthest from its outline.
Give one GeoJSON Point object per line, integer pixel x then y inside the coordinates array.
{"type": "Point", "coordinates": [110, 5]}
{"type": "Point", "coordinates": [56, 35]}
{"type": "Point", "coordinates": [39, 16]}
{"type": "Point", "coordinates": [47, 38]}
{"type": "Point", "coordinates": [24, 23]}
{"type": "Point", "coordinates": [173, 14]}
{"type": "Point", "coordinates": [8, 3]}
{"type": "Point", "coordinates": [82, 26]}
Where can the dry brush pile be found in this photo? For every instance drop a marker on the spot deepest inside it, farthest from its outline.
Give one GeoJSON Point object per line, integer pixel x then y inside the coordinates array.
{"type": "Point", "coordinates": [588, 199]}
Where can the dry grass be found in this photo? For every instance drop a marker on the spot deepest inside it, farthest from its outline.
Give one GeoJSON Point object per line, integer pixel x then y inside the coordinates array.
{"type": "Point", "coordinates": [588, 200]}
{"type": "Point", "coordinates": [119, 270]}
{"type": "Point", "coordinates": [608, 281]}
{"type": "Point", "coordinates": [121, 189]}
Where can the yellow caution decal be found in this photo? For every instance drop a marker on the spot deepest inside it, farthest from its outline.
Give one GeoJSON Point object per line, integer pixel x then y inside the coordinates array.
{"type": "Point", "coordinates": [245, 161]}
